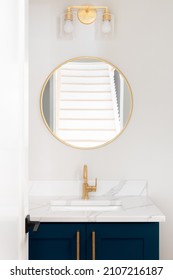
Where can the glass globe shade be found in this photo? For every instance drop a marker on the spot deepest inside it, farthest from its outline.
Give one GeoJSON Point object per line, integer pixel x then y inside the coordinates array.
{"type": "Point", "coordinates": [106, 26]}
{"type": "Point", "coordinates": [68, 26]}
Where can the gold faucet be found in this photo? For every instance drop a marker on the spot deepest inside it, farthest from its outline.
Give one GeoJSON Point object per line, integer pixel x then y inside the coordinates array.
{"type": "Point", "coordinates": [85, 187]}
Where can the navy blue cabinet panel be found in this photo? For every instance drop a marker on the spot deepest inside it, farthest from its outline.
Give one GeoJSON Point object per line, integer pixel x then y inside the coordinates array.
{"type": "Point", "coordinates": [102, 241]}
{"type": "Point", "coordinates": [123, 241]}
{"type": "Point", "coordinates": [56, 241]}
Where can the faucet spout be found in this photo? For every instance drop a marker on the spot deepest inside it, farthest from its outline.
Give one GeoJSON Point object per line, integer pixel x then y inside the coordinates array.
{"type": "Point", "coordinates": [85, 174]}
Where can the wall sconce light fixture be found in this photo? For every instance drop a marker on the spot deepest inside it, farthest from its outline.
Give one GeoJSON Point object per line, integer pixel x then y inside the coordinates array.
{"type": "Point", "coordinates": [100, 15]}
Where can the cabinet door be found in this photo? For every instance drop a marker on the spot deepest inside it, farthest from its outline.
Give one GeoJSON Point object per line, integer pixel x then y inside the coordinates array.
{"type": "Point", "coordinates": [123, 241]}
{"type": "Point", "coordinates": [57, 241]}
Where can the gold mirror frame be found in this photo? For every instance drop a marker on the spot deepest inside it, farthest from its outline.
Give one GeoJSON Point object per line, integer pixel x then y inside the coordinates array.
{"type": "Point", "coordinates": [91, 58]}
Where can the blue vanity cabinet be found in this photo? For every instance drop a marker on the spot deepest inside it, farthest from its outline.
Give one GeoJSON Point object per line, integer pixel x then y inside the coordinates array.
{"type": "Point", "coordinates": [57, 241]}
{"type": "Point", "coordinates": [123, 241]}
{"type": "Point", "coordinates": [100, 241]}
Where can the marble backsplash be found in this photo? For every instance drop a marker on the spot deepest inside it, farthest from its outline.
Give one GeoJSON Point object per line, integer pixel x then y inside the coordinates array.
{"type": "Point", "coordinates": [74, 188]}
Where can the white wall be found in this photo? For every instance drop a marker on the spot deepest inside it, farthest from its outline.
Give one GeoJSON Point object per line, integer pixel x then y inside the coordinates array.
{"type": "Point", "coordinates": [142, 49]}
{"type": "Point", "coordinates": [13, 136]}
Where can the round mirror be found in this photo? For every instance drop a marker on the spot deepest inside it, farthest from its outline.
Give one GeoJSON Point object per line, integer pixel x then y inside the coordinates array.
{"type": "Point", "coordinates": [86, 102]}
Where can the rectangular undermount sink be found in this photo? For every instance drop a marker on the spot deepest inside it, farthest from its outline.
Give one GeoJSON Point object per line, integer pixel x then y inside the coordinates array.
{"type": "Point", "coordinates": [78, 204]}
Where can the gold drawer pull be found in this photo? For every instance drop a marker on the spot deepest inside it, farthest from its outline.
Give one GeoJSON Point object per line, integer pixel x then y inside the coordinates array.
{"type": "Point", "coordinates": [78, 245]}
{"type": "Point", "coordinates": [93, 245]}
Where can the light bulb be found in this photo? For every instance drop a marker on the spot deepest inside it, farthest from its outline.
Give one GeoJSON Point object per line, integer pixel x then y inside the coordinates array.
{"type": "Point", "coordinates": [106, 26]}
{"type": "Point", "coordinates": [68, 26]}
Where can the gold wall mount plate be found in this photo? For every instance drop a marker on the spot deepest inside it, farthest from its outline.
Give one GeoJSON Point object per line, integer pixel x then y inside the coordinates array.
{"type": "Point", "coordinates": [87, 16]}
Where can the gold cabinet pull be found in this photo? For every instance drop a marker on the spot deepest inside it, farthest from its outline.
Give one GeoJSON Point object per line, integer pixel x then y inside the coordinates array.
{"type": "Point", "coordinates": [93, 245]}
{"type": "Point", "coordinates": [78, 245]}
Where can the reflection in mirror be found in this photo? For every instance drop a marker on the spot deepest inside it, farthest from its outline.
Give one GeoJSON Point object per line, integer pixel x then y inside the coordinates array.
{"type": "Point", "coordinates": [86, 102]}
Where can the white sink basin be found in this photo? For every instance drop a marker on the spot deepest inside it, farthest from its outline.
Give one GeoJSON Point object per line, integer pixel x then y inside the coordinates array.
{"type": "Point", "coordinates": [84, 208]}
{"type": "Point", "coordinates": [78, 204]}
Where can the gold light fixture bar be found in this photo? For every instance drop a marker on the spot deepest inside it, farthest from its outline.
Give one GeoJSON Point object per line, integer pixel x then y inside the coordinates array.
{"type": "Point", "coordinates": [87, 14]}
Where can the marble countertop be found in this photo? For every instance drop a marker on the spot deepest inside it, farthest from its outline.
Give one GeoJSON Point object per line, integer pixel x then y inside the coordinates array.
{"type": "Point", "coordinates": [133, 209]}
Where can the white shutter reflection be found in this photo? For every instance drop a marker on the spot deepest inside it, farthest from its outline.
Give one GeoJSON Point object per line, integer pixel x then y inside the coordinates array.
{"type": "Point", "coordinates": [87, 112]}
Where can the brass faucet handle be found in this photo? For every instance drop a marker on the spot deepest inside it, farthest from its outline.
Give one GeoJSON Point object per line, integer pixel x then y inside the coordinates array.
{"type": "Point", "coordinates": [94, 188]}
{"type": "Point", "coordinates": [96, 183]}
